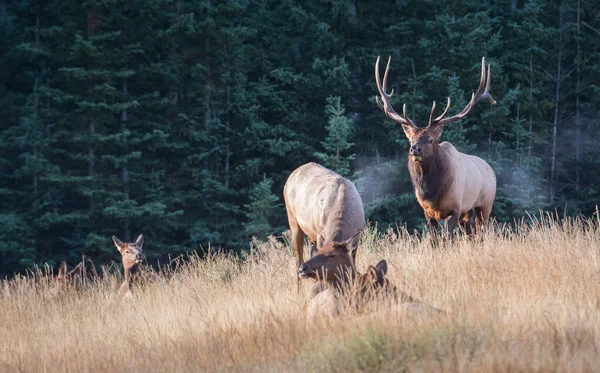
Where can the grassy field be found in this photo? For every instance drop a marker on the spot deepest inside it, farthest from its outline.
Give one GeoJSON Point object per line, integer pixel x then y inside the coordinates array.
{"type": "Point", "coordinates": [525, 299]}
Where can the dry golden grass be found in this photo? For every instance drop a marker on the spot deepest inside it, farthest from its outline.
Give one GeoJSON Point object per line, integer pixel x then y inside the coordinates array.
{"type": "Point", "coordinates": [523, 300]}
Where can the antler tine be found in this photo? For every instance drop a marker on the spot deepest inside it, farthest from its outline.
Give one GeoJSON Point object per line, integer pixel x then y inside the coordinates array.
{"type": "Point", "coordinates": [383, 102]}
{"type": "Point", "coordinates": [378, 100]}
{"type": "Point", "coordinates": [481, 93]}
{"type": "Point", "coordinates": [487, 87]}
{"type": "Point", "coordinates": [385, 75]}
{"type": "Point", "coordinates": [432, 111]}
{"type": "Point", "coordinates": [482, 78]}
{"type": "Point", "coordinates": [406, 116]}
{"type": "Point", "coordinates": [441, 115]}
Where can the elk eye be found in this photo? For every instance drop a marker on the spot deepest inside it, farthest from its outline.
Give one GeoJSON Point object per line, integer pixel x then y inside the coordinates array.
{"type": "Point", "coordinates": [431, 141]}
{"type": "Point", "coordinates": [126, 251]}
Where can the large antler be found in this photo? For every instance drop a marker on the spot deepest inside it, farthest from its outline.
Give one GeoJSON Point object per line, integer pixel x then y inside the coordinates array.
{"type": "Point", "coordinates": [384, 104]}
{"type": "Point", "coordinates": [482, 93]}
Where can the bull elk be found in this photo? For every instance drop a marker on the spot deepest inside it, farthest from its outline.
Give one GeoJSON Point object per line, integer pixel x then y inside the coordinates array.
{"type": "Point", "coordinates": [448, 184]}
{"type": "Point", "coordinates": [324, 206]}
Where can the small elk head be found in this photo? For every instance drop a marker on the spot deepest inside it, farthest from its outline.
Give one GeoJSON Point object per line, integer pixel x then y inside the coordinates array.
{"type": "Point", "coordinates": [423, 140]}
{"type": "Point", "coordinates": [333, 262]}
{"type": "Point", "coordinates": [131, 253]}
{"type": "Point", "coordinates": [63, 276]}
{"type": "Point", "coordinates": [374, 280]}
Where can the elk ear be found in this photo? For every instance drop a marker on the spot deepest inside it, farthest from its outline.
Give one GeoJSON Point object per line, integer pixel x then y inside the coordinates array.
{"type": "Point", "coordinates": [371, 274]}
{"type": "Point", "coordinates": [140, 240]}
{"type": "Point", "coordinates": [435, 131]}
{"type": "Point", "coordinates": [381, 268]}
{"type": "Point", "coordinates": [118, 242]}
{"type": "Point", "coordinates": [408, 131]}
{"type": "Point", "coordinates": [62, 270]}
{"type": "Point", "coordinates": [313, 250]}
{"type": "Point", "coordinates": [351, 243]}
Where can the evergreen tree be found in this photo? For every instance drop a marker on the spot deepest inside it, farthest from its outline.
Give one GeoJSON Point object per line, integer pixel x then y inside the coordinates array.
{"type": "Point", "coordinates": [264, 206]}
{"type": "Point", "coordinates": [336, 144]}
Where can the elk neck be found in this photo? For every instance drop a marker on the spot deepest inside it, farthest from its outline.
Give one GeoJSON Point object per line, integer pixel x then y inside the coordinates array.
{"type": "Point", "coordinates": [131, 273]}
{"type": "Point", "coordinates": [342, 282]}
{"type": "Point", "coordinates": [429, 176]}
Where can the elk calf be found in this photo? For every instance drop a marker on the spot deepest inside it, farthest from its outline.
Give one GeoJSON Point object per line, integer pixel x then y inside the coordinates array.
{"type": "Point", "coordinates": [131, 255]}
{"type": "Point", "coordinates": [324, 206]}
{"type": "Point", "coordinates": [448, 184]}
{"type": "Point", "coordinates": [330, 300]}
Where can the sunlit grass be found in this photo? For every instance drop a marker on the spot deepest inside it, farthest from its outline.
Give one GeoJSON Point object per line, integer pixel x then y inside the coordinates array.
{"type": "Point", "coordinates": [524, 299]}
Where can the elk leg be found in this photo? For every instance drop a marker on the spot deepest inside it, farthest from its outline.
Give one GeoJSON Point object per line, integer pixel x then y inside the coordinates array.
{"type": "Point", "coordinates": [432, 224]}
{"type": "Point", "coordinates": [464, 226]}
{"type": "Point", "coordinates": [482, 214]}
{"type": "Point", "coordinates": [451, 223]}
{"type": "Point", "coordinates": [298, 244]}
{"type": "Point", "coordinates": [467, 226]}
{"type": "Point", "coordinates": [313, 249]}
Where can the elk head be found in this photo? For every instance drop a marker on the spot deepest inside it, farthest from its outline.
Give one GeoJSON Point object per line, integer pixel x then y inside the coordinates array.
{"type": "Point", "coordinates": [63, 274]}
{"type": "Point", "coordinates": [374, 279]}
{"type": "Point", "coordinates": [131, 253]}
{"type": "Point", "coordinates": [423, 140]}
{"type": "Point", "coordinates": [333, 262]}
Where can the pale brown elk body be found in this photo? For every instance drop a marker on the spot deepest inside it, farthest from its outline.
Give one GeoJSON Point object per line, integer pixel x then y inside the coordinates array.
{"type": "Point", "coordinates": [324, 206]}
{"type": "Point", "coordinates": [449, 185]}
{"type": "Point", "coordinates": [131, 257]}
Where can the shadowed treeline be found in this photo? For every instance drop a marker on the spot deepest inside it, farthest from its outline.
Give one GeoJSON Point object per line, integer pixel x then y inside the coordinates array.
{"type": "Point", "coordinates": [182, 119]}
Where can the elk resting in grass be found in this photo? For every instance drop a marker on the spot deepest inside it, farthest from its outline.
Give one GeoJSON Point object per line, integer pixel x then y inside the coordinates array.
{"type": "Point", "coordinates": [365, 288]}
{"type": "Point", "coordinates": [84, 272]}
{"type": "Point", "coordinates": [131, 255]}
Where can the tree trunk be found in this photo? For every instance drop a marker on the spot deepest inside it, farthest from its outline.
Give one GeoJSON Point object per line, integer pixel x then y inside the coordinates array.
{"type": "Point", "coordinates": [207, 86]}
{"type": "Point", "coordinates": [227, 149]}
{"type": "Point", "coordinates": [577, 117]}
{"type": "Point", "coordinates": [91, 158]}
{"type": "Point", "coordinates": [35, 109]}
{"type": "Point", "coordinates": [92, 23]}
{"type": "Point", "coordinates": [556, 103]}
{"type": "Point", "coordinates": [124, 170]}
{"type": "Point", "coordinates": [531, 104]}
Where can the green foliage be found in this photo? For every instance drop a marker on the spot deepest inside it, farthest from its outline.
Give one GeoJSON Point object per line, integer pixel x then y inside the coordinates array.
{"type": "Point", "coordinates": [336, 144]}
{"type": "Point", "coordinates": [264, 206]}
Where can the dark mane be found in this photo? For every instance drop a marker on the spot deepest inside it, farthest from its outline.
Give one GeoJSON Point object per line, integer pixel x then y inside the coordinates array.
{"type": "Point", "coordinates": [429, 177]}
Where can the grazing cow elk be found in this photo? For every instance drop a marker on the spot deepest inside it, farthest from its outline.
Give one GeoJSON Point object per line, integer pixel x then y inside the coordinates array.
{"type": "Point", "coordinates": [326, 207]}
{"type": "Point", "coordinates": [448, 184]}
{"type": "Point", "coordinates": [131, 254]}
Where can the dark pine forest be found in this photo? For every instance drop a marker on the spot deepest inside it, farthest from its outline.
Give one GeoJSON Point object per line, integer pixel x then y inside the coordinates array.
{"type": "Point", "coordinates": [182, 119]}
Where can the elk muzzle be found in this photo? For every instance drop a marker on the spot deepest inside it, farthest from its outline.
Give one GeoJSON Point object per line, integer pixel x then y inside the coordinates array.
{"type": "Point", "coordinates": [416, 152]}
{"type": "Point", "coordinates": [305, 272]}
